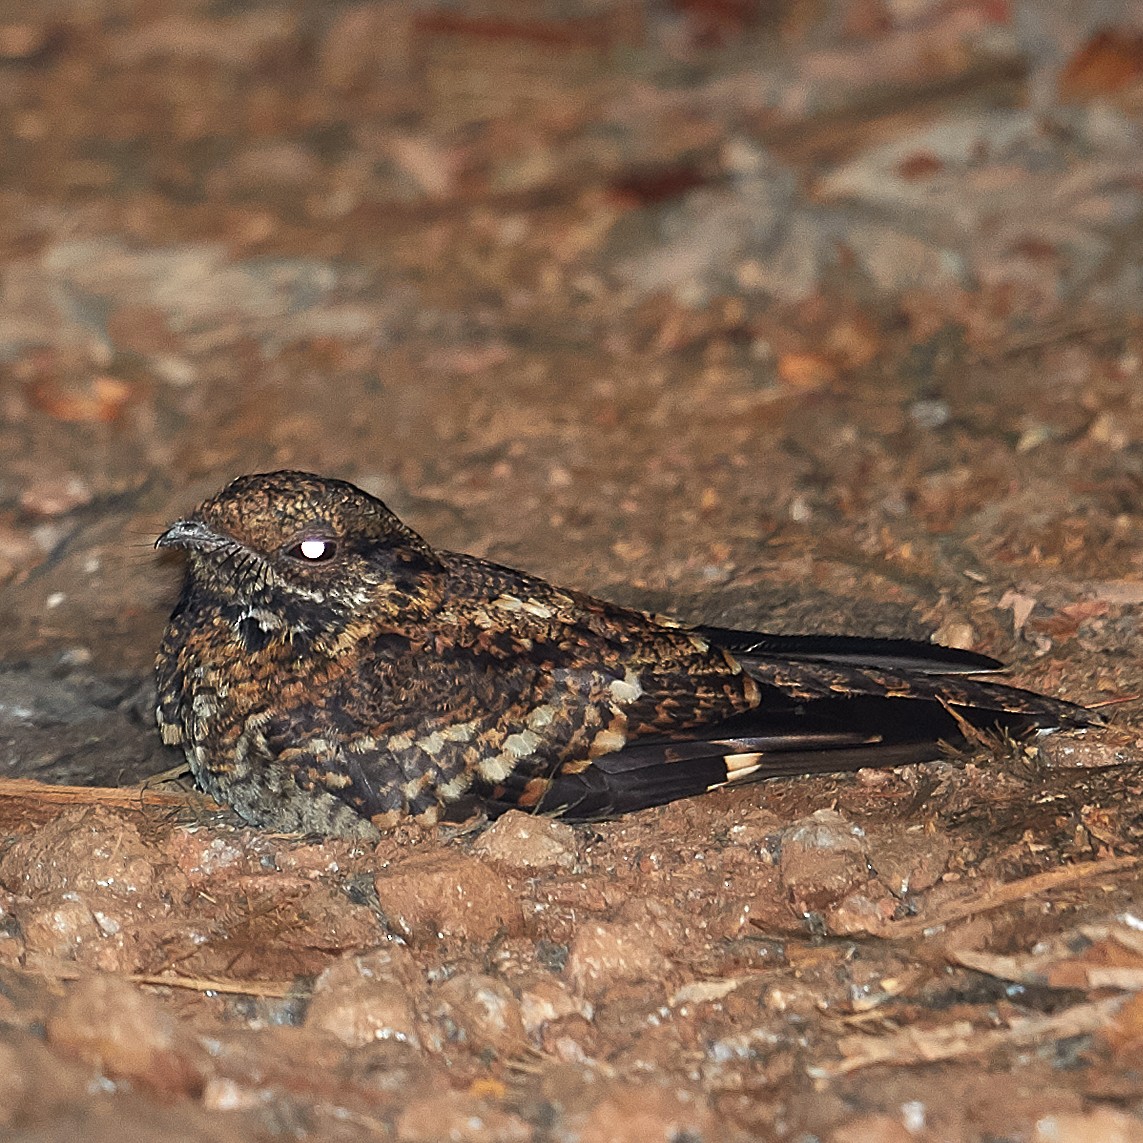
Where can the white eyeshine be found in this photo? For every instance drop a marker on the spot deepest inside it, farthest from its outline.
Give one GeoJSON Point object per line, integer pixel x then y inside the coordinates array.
{"type": "Point", "coordinates": [313, 549]}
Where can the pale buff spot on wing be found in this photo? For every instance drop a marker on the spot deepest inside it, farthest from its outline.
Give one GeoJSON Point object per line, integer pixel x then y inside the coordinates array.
{"type": "Point", "coordinates": [521, 744]}
{"type": "Point", "coordinates": [607, 742]}
{"type": "Point", "coordinates": [431, 744]}
{"type": "Point", "coordinates": [626, 689]}
{"type": "Point", "coordinates": [400, 742]}
{"type": "Point", "coordinates": [531, 606]}
{"type": "Point", "coordinates": [334, 780]}
{"type": "Point", "coordinates": [496, 768]}
{"type": "Point", "coordinates": [451, 790]}
{"type": "Point", "coordinates": [458, 732]}
{"type": "Point", "coordinates": [540, 717]}
{"type": "Point", "coordinates": [576, 767]}
{"type": "Point", "coordinates": [171, 732]}
{"type": "Point", "coordinates": [362, 744]}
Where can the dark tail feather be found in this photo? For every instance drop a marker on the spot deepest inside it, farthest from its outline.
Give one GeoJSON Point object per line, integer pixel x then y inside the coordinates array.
{"type": "Point", "coordinates": [852, 650]}
{"type": "Point", "coordinates": [608, 790]}
{"type": "Point", "coordinates": [910, 693]}
{"type": "Point", "coordinates": [825, 736]}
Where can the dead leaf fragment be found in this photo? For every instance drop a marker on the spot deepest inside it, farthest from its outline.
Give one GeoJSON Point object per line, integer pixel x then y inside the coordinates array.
{"type": "Point", "coordinates": [1110, 62]}
{"type": "Point", "coordinates": [806, 370]}
{"type": "Point", "coordinates": [99, 400]}
{"type": "Point", "coordinates": [1021, 606]}
{"type": "Point", "coordinates": [963, 1040]}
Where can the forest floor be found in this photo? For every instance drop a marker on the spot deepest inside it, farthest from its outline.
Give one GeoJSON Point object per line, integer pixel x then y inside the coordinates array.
{"type": "Point", "coordinates": [791, 315]}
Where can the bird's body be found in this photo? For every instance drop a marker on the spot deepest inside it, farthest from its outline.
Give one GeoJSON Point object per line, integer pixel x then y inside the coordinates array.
{"type": "Point", "coordinates": [326, 671]}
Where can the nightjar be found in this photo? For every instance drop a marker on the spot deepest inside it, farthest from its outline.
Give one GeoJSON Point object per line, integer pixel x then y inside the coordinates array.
{"type": "Point", "coordinates": [327, 671]}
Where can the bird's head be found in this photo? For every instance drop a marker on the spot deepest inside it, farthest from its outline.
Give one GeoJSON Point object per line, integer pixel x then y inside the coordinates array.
{"type": "Point", "coordinates": [292, 544]}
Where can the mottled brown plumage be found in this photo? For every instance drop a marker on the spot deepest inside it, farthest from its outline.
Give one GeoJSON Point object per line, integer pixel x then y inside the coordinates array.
{"type": "Point", "coordinates": [327, 671]}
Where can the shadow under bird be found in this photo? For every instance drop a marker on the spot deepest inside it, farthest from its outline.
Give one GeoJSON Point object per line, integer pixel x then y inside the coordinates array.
{"type": "Point", "coordinates": [327, 671]}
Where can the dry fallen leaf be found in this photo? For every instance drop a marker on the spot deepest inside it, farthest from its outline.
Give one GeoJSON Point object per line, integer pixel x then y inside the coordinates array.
{"type": "Point", "coordinates": [97, 400]}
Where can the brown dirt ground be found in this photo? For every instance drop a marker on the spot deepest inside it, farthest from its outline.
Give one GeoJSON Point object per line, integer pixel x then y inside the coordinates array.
{"type": "Point", "coordinates": [789, 315]}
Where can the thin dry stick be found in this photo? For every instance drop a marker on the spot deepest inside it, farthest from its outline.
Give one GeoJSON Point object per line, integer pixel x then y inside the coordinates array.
{"type": "Point", "coordinates": [276, 989]}
{"type": "Point", "coordinates": [1062, 331]}
{"type": "Point", "coordinates": [962, 1039]}
{"type": "Point", "coordinates": [124, 797]}
{"type": "Point", "coordinates": [1001, 895]}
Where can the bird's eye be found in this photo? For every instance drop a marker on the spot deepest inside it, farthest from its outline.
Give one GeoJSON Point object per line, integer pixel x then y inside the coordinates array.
{"type": "Point", "coordinates": [314, 550]}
